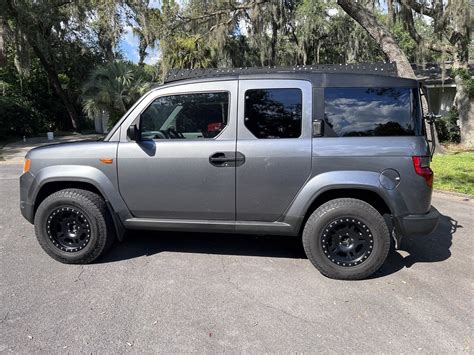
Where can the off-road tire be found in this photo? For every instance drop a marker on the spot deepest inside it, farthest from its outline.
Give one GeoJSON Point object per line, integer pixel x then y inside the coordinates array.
{"type": "Point", "coordinates": [342, 209]}
{"type": "Point", "coordinates": [93, 208]}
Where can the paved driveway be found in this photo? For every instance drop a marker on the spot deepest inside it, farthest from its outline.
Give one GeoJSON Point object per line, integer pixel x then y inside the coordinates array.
{"type": "Point", "coordinates": [213, 293]}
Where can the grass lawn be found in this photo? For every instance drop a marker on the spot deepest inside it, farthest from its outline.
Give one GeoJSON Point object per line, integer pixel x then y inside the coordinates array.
{"type": "Point", "coordinates": [454, 172]}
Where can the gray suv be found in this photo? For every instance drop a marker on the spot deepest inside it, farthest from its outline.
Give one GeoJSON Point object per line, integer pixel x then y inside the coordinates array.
{"type": "Point", "coordinates": [336, 155]}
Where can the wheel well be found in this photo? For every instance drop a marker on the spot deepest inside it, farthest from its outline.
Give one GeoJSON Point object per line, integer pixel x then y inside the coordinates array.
{"type": "Point", "coordinates": [371, 197]}
{"type": "Point", "coordinates": [54, 186]}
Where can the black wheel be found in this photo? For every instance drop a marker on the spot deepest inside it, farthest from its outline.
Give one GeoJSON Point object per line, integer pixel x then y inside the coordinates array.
{"type": "Point", "coordinates": [346, 239]}
{"type": "Point", "coordinates": [74, 226]}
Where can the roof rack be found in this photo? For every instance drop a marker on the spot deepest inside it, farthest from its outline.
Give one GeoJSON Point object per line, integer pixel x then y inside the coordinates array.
{"type": "Point", "coordinates": [388, 69]}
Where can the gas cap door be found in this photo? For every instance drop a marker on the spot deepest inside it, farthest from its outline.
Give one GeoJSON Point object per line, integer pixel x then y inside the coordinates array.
{"type": "Point", "coordinates": [389, 179]}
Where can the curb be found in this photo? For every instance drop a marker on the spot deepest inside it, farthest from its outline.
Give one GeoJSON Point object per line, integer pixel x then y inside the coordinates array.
{"type": "Point", "coordinates": [454, 194]}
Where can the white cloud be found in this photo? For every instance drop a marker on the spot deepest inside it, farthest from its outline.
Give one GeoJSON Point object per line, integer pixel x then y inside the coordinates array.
{"type": "Point", "coordinates": [153, 56]}
{"type": "Point", "coordinates": [154, 4]}
{"type": "Point", "coordinates": [129, 37]}
{"type": "Point", "coordinates": [243, 27]}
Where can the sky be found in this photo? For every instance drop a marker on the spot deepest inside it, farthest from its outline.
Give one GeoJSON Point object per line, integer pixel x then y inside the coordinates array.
{"type": "Point", "coordinates": [128, 44]}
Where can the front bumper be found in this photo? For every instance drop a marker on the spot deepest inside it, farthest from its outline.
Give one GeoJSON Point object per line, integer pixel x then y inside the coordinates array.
{"type": "Point", "coordinates": [26, 206]}
{"type": "Point", "coordinates": [418, 224]}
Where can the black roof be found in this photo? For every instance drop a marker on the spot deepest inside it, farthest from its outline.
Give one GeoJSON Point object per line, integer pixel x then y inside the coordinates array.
{"type": "Point", "coordinates": [389, 69]}
{"type": "Point", "coordinates": [334, 75]}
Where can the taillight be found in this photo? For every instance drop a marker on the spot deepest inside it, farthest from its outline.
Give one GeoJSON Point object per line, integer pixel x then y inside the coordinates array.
{"type": "Point", "coordinates": [422, 168]}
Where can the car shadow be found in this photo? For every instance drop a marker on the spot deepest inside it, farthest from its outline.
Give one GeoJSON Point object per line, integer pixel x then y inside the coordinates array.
{"type": "Point", "coordinates": [425, 249]}
{"type": "Point", "coordinates": [431, 248]}
{"type": "Point", "coordinates": [146, 243]}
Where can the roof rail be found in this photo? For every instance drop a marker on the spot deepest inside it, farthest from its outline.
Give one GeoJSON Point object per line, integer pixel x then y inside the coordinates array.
{"type": "Point", "coordinates": [388, 69]}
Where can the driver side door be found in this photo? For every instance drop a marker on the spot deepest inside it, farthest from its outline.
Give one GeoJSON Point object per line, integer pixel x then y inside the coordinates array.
{"type": "Point", "coordinates": [184, 166]}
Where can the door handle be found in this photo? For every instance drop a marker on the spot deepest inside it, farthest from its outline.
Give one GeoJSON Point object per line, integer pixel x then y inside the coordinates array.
{"type": "Point", "coordinates": [218, 159]}
{"type": "Point", "coordinates": [227, 159]}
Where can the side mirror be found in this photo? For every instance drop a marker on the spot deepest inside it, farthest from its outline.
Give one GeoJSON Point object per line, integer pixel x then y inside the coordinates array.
{"type": "Point", "coordinates": [318, 128]}
{"type": "Point", "coordinates": [133, 133]}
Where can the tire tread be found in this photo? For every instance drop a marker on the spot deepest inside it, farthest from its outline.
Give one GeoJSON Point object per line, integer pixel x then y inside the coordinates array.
{"type": "Point", "coordinates": [96, 206]}
{"type": "Point", "coordinates": [362, 208]}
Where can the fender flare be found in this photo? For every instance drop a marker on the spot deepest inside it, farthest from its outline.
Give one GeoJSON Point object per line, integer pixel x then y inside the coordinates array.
{"type": "Point", "coordinates": [342, 179]}
{"type": "Point", "coordinates": [85, 174]}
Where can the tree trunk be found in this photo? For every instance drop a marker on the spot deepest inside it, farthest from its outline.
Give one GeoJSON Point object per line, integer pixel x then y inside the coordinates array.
{"type": "Point", "coordinates": [3, 56]}
{"type": "Point", "coordinates": [380, 34]}
{"type": "Point", "coordinates": [56, 84]}
{"type": "Point", "coordinates": [461, 19]}
{"type": "Point", "coordinates": [48, 66]}
{"type": "Point", "coordinates": [318, 50]}
{"type": "Point", "coordinates": [390, 13]}
{"type": "Point", "coordinates": [465, 109]}
{"type": "Point", "coordinates": [273, 43]}
{"type": "Point", "coordinates": [142, 53]}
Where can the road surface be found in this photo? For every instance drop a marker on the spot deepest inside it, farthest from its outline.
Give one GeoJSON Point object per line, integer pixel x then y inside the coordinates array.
{"type": "Point", "coordinates": [168, 292]}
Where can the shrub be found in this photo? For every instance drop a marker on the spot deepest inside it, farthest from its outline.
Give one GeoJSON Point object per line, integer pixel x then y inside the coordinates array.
{"type": "Point", "coordinates": [447, 128]}
{"type": "Point", "coordinates": [18, 118]}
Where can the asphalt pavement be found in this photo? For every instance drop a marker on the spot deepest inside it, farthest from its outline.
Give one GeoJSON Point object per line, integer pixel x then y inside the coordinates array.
{"type": "Point", "coordinates": [170, 292]}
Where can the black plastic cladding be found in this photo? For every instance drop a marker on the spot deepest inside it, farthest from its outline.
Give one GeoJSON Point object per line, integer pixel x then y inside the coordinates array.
{"type": "Point", "coordinates": [386, 69]}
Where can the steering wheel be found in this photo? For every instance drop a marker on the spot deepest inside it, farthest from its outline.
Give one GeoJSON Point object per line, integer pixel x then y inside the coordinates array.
{"type": "Point", "coordinates": [173, 133]}
{"type": "Point", "coordinates": [160, 135]}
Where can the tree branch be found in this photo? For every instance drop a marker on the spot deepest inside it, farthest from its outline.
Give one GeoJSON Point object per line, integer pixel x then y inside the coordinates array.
{"type": "Point", "coordinates": [410, 23]}
{"type": "Point", "coordinates": [245, 6]}
{"type": "Point", "coordinates": [380, 34]}
{"type": "Point", "coordinates": [420, 8]}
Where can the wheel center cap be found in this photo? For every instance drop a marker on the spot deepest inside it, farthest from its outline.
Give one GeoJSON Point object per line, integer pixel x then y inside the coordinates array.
{"type": "Point", "coordinates": [345, 240]}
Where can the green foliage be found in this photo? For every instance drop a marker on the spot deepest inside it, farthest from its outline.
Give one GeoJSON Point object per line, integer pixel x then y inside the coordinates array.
{"type": "Point", "coordinates": [466, 78]}
{"type": "Point", "coordinates": [404, 40]}
{"type": "Point", "coordinates": [447, 128]}
{"type": "Point", "coordinates": [189, 52]}
{"type": "Point", "coordinates": [18, 118]}
{"type": "Point", "coordinates": [113, 88]}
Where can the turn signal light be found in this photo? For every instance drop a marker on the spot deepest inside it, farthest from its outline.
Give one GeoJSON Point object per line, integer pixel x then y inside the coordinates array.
{"type": "Point", "coordinates": [106, 160]}
{"type": "Point", "coordinates": [422, 168]}
{"type": "Point", "coordinates": [26, 165]}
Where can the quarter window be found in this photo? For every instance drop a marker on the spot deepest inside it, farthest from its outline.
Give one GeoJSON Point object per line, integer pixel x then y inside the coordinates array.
{"type": "Point", "coordinates": [371, 112]}
{"type": "Point", "coordinates": [186, 116]}
{"type": "Point", "coordinates": [273, 113]}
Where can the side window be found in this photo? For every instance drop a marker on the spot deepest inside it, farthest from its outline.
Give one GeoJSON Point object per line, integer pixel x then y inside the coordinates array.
{"type": "Point", "coordinates": [273, 113]}
{"type": "Point", "coordinates": [186, 116]}
{"type": "Point", "coordinates": [363, 112]}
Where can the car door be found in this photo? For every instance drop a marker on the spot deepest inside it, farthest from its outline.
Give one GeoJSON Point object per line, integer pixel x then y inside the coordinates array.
{"type": "Point", "coordinates": [274, 135]}
{"type": "Point", "coordinates": [184, 166]}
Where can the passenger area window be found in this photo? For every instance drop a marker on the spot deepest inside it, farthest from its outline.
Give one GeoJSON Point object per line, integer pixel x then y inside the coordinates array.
{"type": "Point", "coordinates": [362, 112]}
{"type": "Point", "coordinates": [186, 116]}
{"type": "Point", "coordinates": [273, 113]}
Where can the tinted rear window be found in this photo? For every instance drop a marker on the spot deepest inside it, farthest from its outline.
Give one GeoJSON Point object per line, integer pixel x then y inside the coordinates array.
{"type": "Point", "coordinates": [273, 113]}
{"type": "Point", "coordinates": [362, 112]}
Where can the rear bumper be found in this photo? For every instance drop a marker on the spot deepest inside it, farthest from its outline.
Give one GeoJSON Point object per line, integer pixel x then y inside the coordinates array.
{"type": "Point", "coordinates": [418, 224]}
